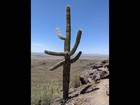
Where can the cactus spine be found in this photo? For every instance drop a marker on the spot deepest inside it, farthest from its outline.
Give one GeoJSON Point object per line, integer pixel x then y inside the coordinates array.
{"type": "Point", "coordinates": [67, 53]}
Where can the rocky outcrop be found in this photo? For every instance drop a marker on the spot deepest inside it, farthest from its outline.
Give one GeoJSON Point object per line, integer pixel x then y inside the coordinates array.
{"type": "Point", "coordinates": [94, 89]}
{"type": "Point", "coordinates": [95, 86]}
{"type": "Point", "coordinates": [99, 70]}
{"type": "Point", "coordinates": [91, 94]}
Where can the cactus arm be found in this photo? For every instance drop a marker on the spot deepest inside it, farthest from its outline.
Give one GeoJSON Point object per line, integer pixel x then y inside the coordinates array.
{"type": "Point", "coordinates": [59, 34]}
{"type": "Point", "coordinates": [67, 53]}
{"type": "Point", "coordinates": [76, 57]}
{"type": "Point", "coordinates": [55, 53]}
{"type": "Point", "coordinates": [77, 42]}
{"type": "Point", "coordinates": [57, 65]}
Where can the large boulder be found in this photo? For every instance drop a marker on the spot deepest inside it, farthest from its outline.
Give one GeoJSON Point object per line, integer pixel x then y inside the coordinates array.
{"type": "Point", "coordinates": [96, 74]}
{"type": "Point", "coordinates": [106, 66]}
{"type": "Point", "coordinates": [103, 72]}
{"type": "Point", "coordinates": [89, 75]}
{"type": "Point", "coordinates": [97, 65]}
{"type": "Point", "coordinates": [84, 77]}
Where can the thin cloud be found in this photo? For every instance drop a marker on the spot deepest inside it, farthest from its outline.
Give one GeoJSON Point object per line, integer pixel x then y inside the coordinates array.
{"type": "Point", "coordinates": [37, 44]}
{"type": "Point", "coordinates": [38, 47]}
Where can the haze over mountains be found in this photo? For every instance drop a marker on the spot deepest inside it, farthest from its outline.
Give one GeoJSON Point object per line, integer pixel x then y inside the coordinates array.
{"type": "Point", "coordinates": [43, 54]}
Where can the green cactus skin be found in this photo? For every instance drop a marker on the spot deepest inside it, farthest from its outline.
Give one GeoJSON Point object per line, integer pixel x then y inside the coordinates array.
{"type": "Point", "coordinates": [67, 53]}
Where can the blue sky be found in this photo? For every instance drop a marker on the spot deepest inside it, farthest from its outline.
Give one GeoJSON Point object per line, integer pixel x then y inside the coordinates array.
{"type": "Point", "coordinates": [92, 16]}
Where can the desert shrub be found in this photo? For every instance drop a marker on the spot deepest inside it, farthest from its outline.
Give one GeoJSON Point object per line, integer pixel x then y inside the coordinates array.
{"type": "Point", "coordinates": [75, 82]}
{"type": "Point", "coordinates": [46, 93]}
{"type": "Point", "coordinates": [107, 60]}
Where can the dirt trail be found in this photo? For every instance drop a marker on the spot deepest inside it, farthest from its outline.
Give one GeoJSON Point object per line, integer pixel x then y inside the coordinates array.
{"type": "Point", "coordinates": [96, 97]}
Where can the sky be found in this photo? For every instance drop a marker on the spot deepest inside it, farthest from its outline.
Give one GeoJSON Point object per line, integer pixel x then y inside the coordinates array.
{"type": "Point", "coordinates": [92, 16]}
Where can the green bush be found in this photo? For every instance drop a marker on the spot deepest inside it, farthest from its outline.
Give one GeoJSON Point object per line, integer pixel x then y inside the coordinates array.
{"type": "Point", "coordinates": [46, 93]}
{"type": "Point", "coordinates": [75, 82]}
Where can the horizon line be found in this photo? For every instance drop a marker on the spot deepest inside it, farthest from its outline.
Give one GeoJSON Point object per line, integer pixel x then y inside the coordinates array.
{"type": "Point", "coordinates": [82, 53]}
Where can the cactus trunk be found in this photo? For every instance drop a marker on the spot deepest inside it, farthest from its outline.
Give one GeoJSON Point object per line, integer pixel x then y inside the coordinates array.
{"type": "Point", "coordinates": [67, 53]}
{"type": "Point", "coordinates": [66, 78]}
{"type": "Point", "coordinates": [67, 64]}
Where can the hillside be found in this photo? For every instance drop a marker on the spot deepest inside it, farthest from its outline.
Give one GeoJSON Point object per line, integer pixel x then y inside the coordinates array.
{"type": "Point", "coordinates": [40, 76]}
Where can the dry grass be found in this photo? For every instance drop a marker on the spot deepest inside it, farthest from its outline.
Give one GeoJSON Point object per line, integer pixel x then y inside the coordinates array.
{"type": "Point", "coordinates": [46, 93]}
{"type": "Point", "coordinates": [75, 82]}
{"type": "Point", "coordinates": [42, 78]}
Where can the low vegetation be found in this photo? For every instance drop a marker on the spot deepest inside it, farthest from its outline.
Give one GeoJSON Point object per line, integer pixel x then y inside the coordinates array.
{"type": "Point", "coordinates": [45, 94]}
{"type": "Point", "coordinates": [75, 82]}
{"type": "Point", "coordinates": [42, 87]}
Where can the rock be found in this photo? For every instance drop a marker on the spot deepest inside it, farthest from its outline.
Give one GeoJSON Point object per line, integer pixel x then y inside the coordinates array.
{"type": "Point", "coordinates": [106, 65]}
{"type": "Point", "coordinates": [89, 80]}
{"type": "Point", "coordinates": [100, 73]}
{"type": "Point", "coordinates": [91, 71]}
{"type": "Point", "coordinates": [88, 75]}
{"type": "Point", "coordinates": [104, 74]}
{"type": "Point", "coordinates": [88, 89]}
{"type": "Point", "coordinates": [101, 69]}
{"type": "Point", "coordinates": [105, 61]}
{"type": "Point", "coordinates": [96, 74]}
{"type": "Point", "coordinates": [91, 94]}
{"type": "Point", "coordinates": [97, 65]}
{"type": "Point", "coordinates": [84, 77]}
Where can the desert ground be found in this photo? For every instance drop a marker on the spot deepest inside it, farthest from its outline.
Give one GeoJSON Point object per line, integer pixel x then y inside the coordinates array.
{"type": "Point", "coordinates": [40, 74]}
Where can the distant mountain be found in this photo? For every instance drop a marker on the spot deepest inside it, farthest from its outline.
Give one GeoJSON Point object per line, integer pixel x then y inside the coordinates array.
{"type": "Point", "coordinates": [95, 55]}
{"type": "Point", "coordinates": [37, 53]}
{"type": "Point", "coordinates": [103, 55]}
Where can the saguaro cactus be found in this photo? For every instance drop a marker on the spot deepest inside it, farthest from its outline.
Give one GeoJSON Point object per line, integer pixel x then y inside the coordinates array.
{"type": "Point", "coordinates": [67, 53]}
